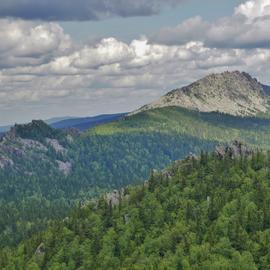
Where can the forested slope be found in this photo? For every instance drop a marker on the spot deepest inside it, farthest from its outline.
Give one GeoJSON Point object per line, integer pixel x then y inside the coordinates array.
{"type": "Point", "coordinates": [210, 212]}
{"type": "Point", "coordinates": [207, 126]}
{"type": "Point", "coordinates": [45, 172]}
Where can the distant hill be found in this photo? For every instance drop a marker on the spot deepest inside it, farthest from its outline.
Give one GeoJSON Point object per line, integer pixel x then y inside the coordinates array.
{"type": "Point", "coordinates": [235, 93]}
{"type": "Point", "coordinates": [4, 129]}
{"type": "Point", "coordinates": [50, 121]}
{"type": "Point", "coordinates": [87, 122]}
{"type": "Point", "coordinates": [266, 89]}
{"type": "Point", "coordinates": [80, 123]}
{"type": "Point", "coordinates": [58, 119]}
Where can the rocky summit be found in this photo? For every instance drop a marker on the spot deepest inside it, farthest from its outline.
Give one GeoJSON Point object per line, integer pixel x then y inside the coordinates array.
{"type": "Point", "coordinates": [235, 93]}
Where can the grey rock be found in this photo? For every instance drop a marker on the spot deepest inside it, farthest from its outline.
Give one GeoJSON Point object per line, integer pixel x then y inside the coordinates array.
{"type": "Point", "coordinates": [114, 197]}
{"type": "Point", "coordinates": [232, 93]}
{"type": "Point", "coordinates": [235, 149]}
{"type": "Point", "coordinates": [32, 144]}
{"type": "Point", "coordinates": [56, 145]}
{"type": "Point", "coordinates": [40, 251]}
{"type": "Point", "coordinates": [5, 162]}
{"type": "Point", "coordinates": [64, 167]}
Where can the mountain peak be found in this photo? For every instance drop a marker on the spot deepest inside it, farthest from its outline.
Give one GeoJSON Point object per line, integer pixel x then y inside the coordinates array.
{"type": "Point", "coordinates": [235, 93]}
{"type": "Point", "coordinates": [33, 130]}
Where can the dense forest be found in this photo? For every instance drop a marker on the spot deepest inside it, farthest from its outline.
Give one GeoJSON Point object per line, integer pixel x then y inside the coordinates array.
{"type": "Point", "coordinates": [51, 171]}
{"type": "Point", "coordinates": [205, 212]}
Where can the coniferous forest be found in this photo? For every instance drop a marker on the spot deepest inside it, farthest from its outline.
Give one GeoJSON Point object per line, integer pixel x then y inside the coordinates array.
{"type": "Point", "coordinates": [134, 135]}
{"type": "Point", "coordinates": [205, 212]}
{"type": "Point", "coordinates": [35, 192]}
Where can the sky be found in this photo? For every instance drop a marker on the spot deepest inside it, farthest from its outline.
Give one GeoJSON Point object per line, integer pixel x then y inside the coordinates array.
{"type": "Point", "coordinates": [89, 57]}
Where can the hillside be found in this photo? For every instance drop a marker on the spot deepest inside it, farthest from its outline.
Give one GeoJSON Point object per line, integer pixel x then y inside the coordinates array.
{"type": "Point", "coordinates": [207, 212]}
{"type": "Point", "coordinates": [45, 172]}
{"type": "Point", "coordinates": [80, 123]}
{"type": "Point", "coordinates": [232, 93]}
{"type": "Point", "coordinates": [175, 121]}
{"type": "Point", "coordinates": [85, 123]}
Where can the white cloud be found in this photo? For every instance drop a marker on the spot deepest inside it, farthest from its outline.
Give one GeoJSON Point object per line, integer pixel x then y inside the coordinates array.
{"type": "Point", "coordinates": [42, 69]}
{"type": "Point", "coordinates": [26, 43]}
{"type": "Point", "coordinates": [108, 51]}
{"type": "Point", "coordinates": [254, 8]}
{"type": "Point", "coordinates": [247, 28]}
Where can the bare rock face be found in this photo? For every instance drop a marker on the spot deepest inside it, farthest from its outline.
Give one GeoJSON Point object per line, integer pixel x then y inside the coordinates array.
{"type": "Point", "coordinates": [114, 197]}
{"type": "Point", "coordinates": [12, 150]}
{"type": "Point", "coordinates": [232, 93]}
{"type": "Point", "coordinates": [5, 162]}
{"type": "Point", "coordinates": [235, 149]}
{"type": "Point", "coordinates": [28, 143]}
{"type": "Point", "coordinates": [64, 167]}
{"type": "Point", "coordinates": [32, 144]}
{"type": "Point", "coordinates": [40, 252]}
{"type": "Point", "coordinates": [56, 145]}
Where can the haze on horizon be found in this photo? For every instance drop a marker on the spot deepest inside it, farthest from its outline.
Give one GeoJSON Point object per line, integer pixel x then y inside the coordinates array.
{"type": "Point", "coordinates": [62, 58]}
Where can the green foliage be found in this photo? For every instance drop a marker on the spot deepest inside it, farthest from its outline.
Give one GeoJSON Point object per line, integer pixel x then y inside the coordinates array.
{"type": "Point", "coordinates": [37, 192]}
{"type": "Point", "coordinates": [34, 192]}
{"type": "Point", "coordinates": [37, 129]}
{"type": "Point", "coordinates": [207, 126]}
{"type": "Point", "coordinates": [206, 213]}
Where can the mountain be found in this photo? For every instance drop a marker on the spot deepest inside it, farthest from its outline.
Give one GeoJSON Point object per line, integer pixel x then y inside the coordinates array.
{"type": "Point", "coordinates": [85, 123]}
{"type": "Point", "coordinates": [80, 123]}
{"type": "Point", "coordinates": [50, 121]}
{"type": "Point", "coordinates": [205, 212]}
{"type": "Point", "coordinates": [58, 119]}
{"type": "Point", "coordinates": [266, 89]}
{"type": "Point", "coordinates": [44, 172]}
{"type": "Point", "coordinates": [33, 163]}
{"type": "Point", "coordinates": [232, 93]}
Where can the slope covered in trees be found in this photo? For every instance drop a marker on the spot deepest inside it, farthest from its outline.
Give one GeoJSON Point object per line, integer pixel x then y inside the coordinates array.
{"type": "Point", "coordinates": [207, 126]}
{"type": "Point", "coordinates": [210, 212]}
{"type": "Point", "coordinates": [46, 172]}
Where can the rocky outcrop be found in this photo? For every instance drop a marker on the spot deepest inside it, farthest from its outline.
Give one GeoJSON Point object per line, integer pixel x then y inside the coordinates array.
{"type": "Point", "coordinates": [32, 144]}
{"type": "Point", "coordinates": [64, 167]}
{"type": "Point", "coordinates": [116, 196]}
{"type": "Point", "coordinates": [18, 147]}
{"type": "Point", "coordinates": [5, 162]}
{"type": "Point", "coordinates": [235, 149]}
{"type": "Point", "coordinates": [232, 93]}
{"type": "Point", "coordinates": [58, 148]}
{"type": "Point", "coordinates": [40, 252]}
{"type": "Point", "coordinates": [12, 150]}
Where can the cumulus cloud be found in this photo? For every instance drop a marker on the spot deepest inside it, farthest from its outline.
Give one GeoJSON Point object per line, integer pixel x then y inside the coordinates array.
{"type": "Point", "coordinates": [43, 71]}
{"type": "Point", "coordinates": [26, 43]}
{"type": "Point", "coordinates": [114, 65]}
{"type": "Point", "coordinates": [254, 8]}
{"type": "Point", "coordinates": [68, 10]}
{"type": "Point", "coordinates": [246, 28]}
